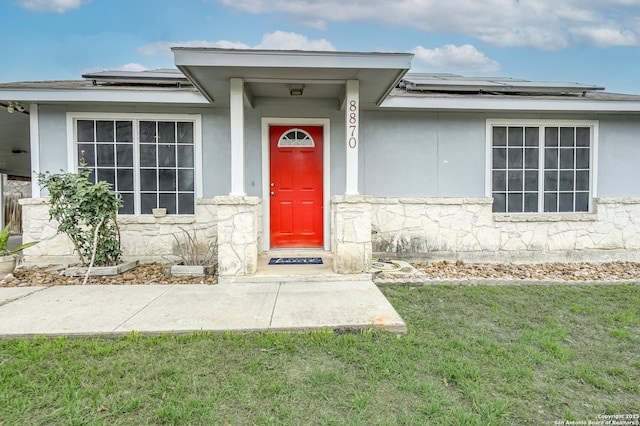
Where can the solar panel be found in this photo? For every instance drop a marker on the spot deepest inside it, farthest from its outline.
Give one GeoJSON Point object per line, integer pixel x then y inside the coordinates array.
{"type": "Point", "coordinates": [458, 83]}
{"type": "Point", "coordinates": [157, 76]}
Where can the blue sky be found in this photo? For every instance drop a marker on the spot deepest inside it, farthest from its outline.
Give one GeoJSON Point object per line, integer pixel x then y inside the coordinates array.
{"type": "Point", "coordinates": [585, 41]}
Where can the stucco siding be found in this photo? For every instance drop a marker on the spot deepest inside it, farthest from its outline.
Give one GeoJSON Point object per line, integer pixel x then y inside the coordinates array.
{"type": "Point", "coordinates": [216, 145]}
{"type": "Point", "coordinates": [52, 126]}
{"type": "Point", "coordinates": [297, 109]}
{"type": "Point", "coordinates": [253, 153]}
{"type": "Point", "coordinates": [619, 154]}
{"type": "Point", "coordinates": [461, 155]}
{"type": "Point", "coordinates": [400, 152]}
{"type": "Point", "coordinates": [216, 153]}
{"type": "Point", "coordinates": [427, 154]}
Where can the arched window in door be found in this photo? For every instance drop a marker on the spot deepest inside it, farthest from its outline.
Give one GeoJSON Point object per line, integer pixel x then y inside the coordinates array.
{"type": "Point", "coordinates": [295, 137]}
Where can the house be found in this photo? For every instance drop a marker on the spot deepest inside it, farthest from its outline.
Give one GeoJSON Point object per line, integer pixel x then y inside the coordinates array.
{"type": "Point", "coordinates": [338, 151]}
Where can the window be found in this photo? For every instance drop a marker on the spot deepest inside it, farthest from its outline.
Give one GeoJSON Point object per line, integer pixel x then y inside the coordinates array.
{"type": "Point", "coordinates": [541, 167]}
{"type": "Point", "coordinates": [296, 137]}
{"type": "Point", "coordinates": [150, 163]}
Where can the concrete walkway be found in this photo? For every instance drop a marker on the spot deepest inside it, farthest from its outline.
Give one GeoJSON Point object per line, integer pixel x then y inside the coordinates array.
{"type": "Point", "coordinates": [154, 309]}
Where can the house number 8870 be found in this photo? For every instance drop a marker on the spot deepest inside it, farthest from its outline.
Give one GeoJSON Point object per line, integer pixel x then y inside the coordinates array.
{"type": "Point", "coordinates": [353, 124]}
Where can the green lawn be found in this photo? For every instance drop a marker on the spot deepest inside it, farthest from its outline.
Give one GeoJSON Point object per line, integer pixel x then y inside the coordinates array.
{"type": "Point", "coordinates": [473, 356]}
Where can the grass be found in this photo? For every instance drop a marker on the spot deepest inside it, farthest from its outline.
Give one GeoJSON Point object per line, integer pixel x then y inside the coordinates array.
{"type": "Point", "coordinates": [473, 356]}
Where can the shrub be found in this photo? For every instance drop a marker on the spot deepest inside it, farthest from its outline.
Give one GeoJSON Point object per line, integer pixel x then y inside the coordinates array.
{"type": "Point", "coordinates": [84, 211]}
{"type": "Point", "coordinates": [192, 251]}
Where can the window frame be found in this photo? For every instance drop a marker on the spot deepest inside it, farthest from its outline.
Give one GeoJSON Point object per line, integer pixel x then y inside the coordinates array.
{"type": "Point", "coordinates": [542, 124]}
{"type": "Point", "coordinates": [136, 118]}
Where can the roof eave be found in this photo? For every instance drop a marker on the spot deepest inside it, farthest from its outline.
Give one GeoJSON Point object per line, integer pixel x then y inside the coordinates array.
{"type": "Point", "coordinates": [187, 73]}
{"type": "Point", "coordinates": [209, 69]}
{"type": "Point", "coordinates": [106, 96]}
{"type": "Point", "coordinates": [191, 56]}
{"type": "Point", "coordinates": [385, 95]}
{"type": "Point", "coordinates": [502, 104]}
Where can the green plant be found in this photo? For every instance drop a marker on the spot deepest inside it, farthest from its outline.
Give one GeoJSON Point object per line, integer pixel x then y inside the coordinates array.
{"type": "Point", "coordinates": [4, 240]}
{"type": "Point", "coordinates": [86, 212]}
{"type": "Point", "coordinates": [192, 251]}
{"type": "Point", "coordinates": [456, 366]}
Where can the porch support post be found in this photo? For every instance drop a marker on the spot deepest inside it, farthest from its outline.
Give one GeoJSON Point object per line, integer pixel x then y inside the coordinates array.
{"type": "Point", "coordinates": [238, 235]}
{"type": "Point", "coordinates": [351, 233]}
{"type": "Point", "coordinates": [237, 136]}
{"type": "Point", "coordinates": [352, 125]}
{"type": "Point", "coordinates": [34, 142]}
{"type": "Point", "coordinates": [2, 200]}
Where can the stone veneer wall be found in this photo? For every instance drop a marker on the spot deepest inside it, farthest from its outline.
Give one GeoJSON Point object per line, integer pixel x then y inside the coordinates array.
{"type": "Point", "coordinates": [144, 238]}
{"type": "Point", "coordinates": [351, 233]}
{"type": "Point", "coordinates": [239, 235]}
{"type": "Point", "coordinates": [14, 190]}
{"type": "Point", "coordinates": [409, 228]}
{"type": "Point", "coordinates": [21, 187]}
{"type": "Point", "coordinates": [466, 229]}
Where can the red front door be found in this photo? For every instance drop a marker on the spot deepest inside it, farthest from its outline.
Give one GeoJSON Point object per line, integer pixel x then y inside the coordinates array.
{"type": "Point", "coordinates": [296, 203]}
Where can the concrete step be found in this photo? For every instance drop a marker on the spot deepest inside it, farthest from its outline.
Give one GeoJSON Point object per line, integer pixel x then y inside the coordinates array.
{"type": "Point", "coordinates": [291, 277]}
{"type": "Point", "coordinates": [294, 273]}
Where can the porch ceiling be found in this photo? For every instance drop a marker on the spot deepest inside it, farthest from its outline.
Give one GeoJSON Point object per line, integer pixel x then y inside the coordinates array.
{"type": "Point", "coordinates": [268, 73]}
{"type": "Point", "coordinates": [14, 142]}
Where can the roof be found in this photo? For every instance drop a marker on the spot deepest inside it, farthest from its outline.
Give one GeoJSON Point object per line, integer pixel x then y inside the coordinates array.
{"type": "Point", "coordinates": [453, 92]}
{"type": "Point", "coordinates": [457, 83]}
{"type": "Point", "coordinates": [158, 77]}
{"type": "Point", "coordinates": [95, 90]}
{"type": "Point", "coordinates": [268, 73]}
{"type": "Point", "coordinates": [204, 73]}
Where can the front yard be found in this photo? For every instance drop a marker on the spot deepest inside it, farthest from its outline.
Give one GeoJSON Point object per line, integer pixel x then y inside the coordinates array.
{"type": "Point", "coordinates": [474, 355]}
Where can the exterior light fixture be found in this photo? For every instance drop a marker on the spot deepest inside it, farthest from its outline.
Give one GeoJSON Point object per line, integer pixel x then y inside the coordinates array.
{"type": "Point", "coordinates": [14, 106]}
{"type": "Point", "coordinates": [296, 89]}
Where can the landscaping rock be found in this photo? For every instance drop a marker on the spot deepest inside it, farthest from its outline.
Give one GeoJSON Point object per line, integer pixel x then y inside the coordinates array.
{"type": "Point", "coordinates": [146, 273]}
{"type": "Point", "coordinates": [586, 271]}
{"type": "Point", "coordinates": [154, 273]}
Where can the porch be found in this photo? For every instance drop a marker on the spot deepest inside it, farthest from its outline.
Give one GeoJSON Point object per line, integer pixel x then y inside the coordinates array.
{"type": "Point", "coordinates": [300, 273]}
{"type": "Point", "coordinates": [310, 93]}
{"type": "Point", "coordinates": [240, 238]}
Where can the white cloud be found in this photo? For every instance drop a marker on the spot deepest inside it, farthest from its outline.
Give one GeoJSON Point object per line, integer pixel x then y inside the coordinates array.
{"type": "Point", "coordinates": [546, 39]}
{"type": "Point", "coordinates": [164, 47]}
{"type": "Point", "coordinates": [281, 40]}
{"type": "Point", "coordinates": [58, 6]}
{"type": "Point", "coordinates": [543, 24]}
{"type": "Point", "coordinates": [605, 37]}
{"type": "Point", "coordinates": [126, 67]}
{"type": "Point", "coordinates": [132, 66]}
{"type": "Point", "coordinates": [278, 40]}
{"type": "Point", "coordinates": [450, 58]}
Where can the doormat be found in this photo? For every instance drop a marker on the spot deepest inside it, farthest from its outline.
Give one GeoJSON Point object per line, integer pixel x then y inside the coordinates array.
{"type": "Point", "coordinates": [295, 261]}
